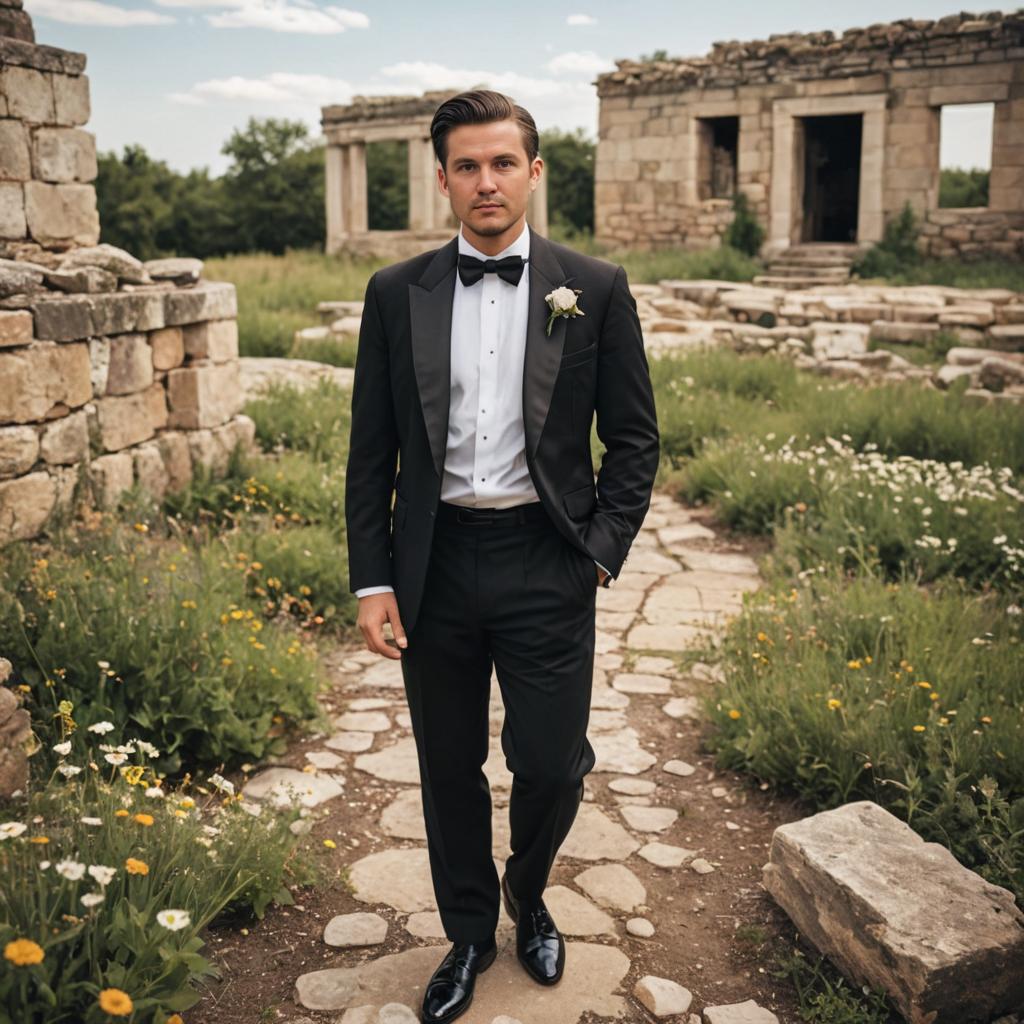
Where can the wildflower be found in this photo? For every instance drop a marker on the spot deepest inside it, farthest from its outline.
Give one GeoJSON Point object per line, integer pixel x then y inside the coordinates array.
{"type": "Point", "coordinates": [147, 748]}
{"type": "Point", "coordinates": [734, 713]}
{"type": "Point", "coordinates": [40, 840]}
{"type": "Point", "coordinates": [101, 727]}
{"type": "Point", "coordinates": [115, 1002]}
{"type": "Point", "coordinates": [102, 873]}
{"type": "Point", "coordinates": [834, 703]}
{"type": "Point", "coordinates": [854, 664]}
{"type": "Point", "coordinates": [63, 748]}
{"type": "Point", "coordinates": [918, 728]}
{"type": "Point", "coordinates": [136, 867]}
{"type": "Point", "coordinates": [330, 844]}
{"type": "Point", "coordinates": [762, 636]}
{"type": "Point", "coordinates": [986, 719]}
{"type": "Point", "coordinates": [933, 695]}
{"type": "Point", "coordinates": [68, 770]}
{"type": "Point", "coordinates": [141, 527]}
{"type": "Point", "coordinates": [219, 782]}
{"type": "Point", "coordinates": [91, 899]}
{"type": "Point", "coordinates": [143, 819]}
{"type": "Point", "coordinates": [120, 813]}
{"type": "Point", "coordinates": [924, 684]}
{"type": "Point", "coordinates": [70, 869]}
{"type": "Point", "coordinates": [11, 829]}
{"type": "Point", "coordinates": [175, 1018]}
{"type": "Point", "coordinates": [43, 865]}
{"type": "Point", "coordinates": [187, 802]}
{"type": "Point", "coordinates": [91, 821]}
{"type": "Point", "coordinates": [23, 952]}
{"type": "Point", "coordinates": [174, 920]}
{"type": "Point", "coordinates": [115, 758]}
{"type": "Point", "coordinates": [154, 792]}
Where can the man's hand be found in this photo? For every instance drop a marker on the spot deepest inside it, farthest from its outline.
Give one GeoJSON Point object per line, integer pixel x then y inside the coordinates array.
{"type": "Point", "coordinates": [601, 575]}
{"type": "Point", "coordinates": [374, 611]}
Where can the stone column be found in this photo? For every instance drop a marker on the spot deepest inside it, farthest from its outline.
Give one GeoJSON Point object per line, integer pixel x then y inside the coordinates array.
{"type": "Point", "coordinates": [870, 218]}
{"type": "Point", "coordinates": [334, 197]}
{"type": "Point", "coordinates": [780, 219]}
{"type": "Point", "coordinates": [422, 185]}
{"type": "Point", "coordinates": [355, 193]}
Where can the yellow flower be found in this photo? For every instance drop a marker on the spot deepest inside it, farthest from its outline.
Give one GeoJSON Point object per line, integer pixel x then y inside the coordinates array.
{"type": "Point", "coordinates": [834, 703]}
{"type": "Point", "coordinates": [918, 728]}
{"type": "Point", "coordinates": [924, 684]}
{"type": "Point", "coordinates": [142, 527]}
{"type": "Point", "coordinates": [144, 819]}
{"type": "Point", "coordinates": [762, 636]}
{"type": "Point", "coordinates": [187, 802]}
{"type": "Point", "coordinates": [867, 658]}
{"type": "Point", "coordinates": [734, 714]}
{"type": "Point", "coordinates": [330, 844]}
{"type": "Point", "coordinates": [132, 774]}
{"type": "Point", "coordinates": [39, 839]}
{"type": "Point", "coordinates": [115, 1002]}
{"type": "Point", "coordinates": [238, 614]}
{"type": "Point", "coordinates": [180, 814]}
{"type": "Point", "coordinates": [23, 952]}
{"type": "Point", "coordinates": [175, 1018]}
{"type": "Point", "coordinates": [933, 695]}
{"type": "Point", "coordinates": [986, 719]}
{"type": "Point", "coordinates": [120, 813]}
{"type": "Point", "coordinates": [855, 663]}
{"type": "Point", "coordinates": [188, 603]}
{"type": "Point", "coordinates": [136, 867]}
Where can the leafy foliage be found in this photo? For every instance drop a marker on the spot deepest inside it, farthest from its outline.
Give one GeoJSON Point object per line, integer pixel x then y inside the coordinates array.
{"type": "Point", "coordinates": [745, 232]}
{"type": "Point", "coordinates": [960, 187]}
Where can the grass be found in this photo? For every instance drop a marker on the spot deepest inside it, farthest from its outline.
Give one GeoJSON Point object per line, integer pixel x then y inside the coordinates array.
{"type": "Point", "coordinates": [982, 273]}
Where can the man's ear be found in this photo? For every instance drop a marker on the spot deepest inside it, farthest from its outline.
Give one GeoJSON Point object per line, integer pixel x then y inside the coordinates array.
{"type": "Point", "coordinates": [536, 170]}
{"type": "Point", "coordinates": [442, 181]}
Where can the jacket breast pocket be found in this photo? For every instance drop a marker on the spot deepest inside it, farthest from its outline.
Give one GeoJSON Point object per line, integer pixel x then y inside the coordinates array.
{"type": "Point", "coordinates": [580, 503]}
{"type": "Point", "coordinates": [579, 357]}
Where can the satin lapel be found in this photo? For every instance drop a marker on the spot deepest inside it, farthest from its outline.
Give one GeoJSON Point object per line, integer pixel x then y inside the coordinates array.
{"type": "Point", "coordinates": [430, 317]}
{"type": "Point", "coordinates": [543, 352]}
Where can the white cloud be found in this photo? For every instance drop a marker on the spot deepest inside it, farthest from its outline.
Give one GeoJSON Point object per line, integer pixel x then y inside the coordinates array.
{"type": "Point", "coordinates": [95, 13]}
{"type": "Point", "coordinates": [186, 98]}
{"type": "Point", "coordinates": [580, 19]}
{"type": "Point", "coordinates": [425, 75]}
{"type": "Point", "coordinates": [276, 15]}
{"type": "Point", "coordinates": [587, 63]}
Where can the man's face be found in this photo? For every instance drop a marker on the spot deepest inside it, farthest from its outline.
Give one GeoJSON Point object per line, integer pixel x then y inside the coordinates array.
{"type": "Point", "coordinates": [488, 179]}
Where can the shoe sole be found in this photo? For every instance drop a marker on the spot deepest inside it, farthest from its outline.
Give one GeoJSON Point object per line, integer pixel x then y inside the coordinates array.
{"type": "Point", "coordinates": [512, 914]}
{"type": "Point", "coordinates": [485, 961]}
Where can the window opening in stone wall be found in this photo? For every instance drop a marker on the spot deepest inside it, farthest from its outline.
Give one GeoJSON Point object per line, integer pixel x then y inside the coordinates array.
{"type": "Point", "coordinates": [965, 154]}
{"type": "Point", "coordinates": [831, 182]}
{"type": "Point", "coordinates": [718, 141]}
{"type": "Point", "coordinates": [387, 185]}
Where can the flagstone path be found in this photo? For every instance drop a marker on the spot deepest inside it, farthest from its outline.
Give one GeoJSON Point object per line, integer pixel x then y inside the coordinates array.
{"type": "Point", "coordinates": [658, 841]}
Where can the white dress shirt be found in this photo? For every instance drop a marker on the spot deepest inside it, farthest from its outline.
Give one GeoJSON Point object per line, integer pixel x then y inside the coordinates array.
{"type": "Point", "coordinates": [485, 453]}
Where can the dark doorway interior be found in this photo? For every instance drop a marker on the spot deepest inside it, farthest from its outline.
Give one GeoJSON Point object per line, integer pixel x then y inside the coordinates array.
{"type": "Point", "coordinates": [831, 178]}
{"type": "Point", "coordinates": [717, 157]}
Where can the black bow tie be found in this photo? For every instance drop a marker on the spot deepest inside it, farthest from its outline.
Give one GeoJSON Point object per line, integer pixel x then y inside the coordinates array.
{"type": "Point", "coordinates": [509, 268]}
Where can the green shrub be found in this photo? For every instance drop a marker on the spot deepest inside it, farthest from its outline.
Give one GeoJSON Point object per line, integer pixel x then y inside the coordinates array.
{"type": "Point", "coordinates": [852, 688]}
{"type": "Point", "coordinates": [745, 232]}
{"type": "Point", "coordinates": [897, 250]}
{"type": "Point", "coordinates": [960, 187]}
{"type": "Point", "coordinates": [315, 420]}
{"type": "Point", "coordinates": [110, 877]}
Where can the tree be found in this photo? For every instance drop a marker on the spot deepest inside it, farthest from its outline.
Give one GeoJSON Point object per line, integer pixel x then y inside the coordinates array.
{"type": "Point", "coordinates": [569, 165]}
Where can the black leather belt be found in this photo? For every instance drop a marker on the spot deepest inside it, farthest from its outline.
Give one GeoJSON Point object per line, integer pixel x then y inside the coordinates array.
{"type": "Point", "coordinates": [464, 515]}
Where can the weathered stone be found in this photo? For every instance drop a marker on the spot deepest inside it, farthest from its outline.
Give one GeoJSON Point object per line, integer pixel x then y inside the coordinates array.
{"type": "Point", "coordinates": [63, 154]}
{"type": "Point", "coordinates": [356, 930]}
{"type": "Point", "coordinates": [662, 996]}
{"type": "Point", "coordinates": [109, 477]}
{"type": "Point", "coordinates": [664, 856]}
{"type": "Point", "coordinates": [83, 280]}
{"type": "Point", "coordinates": [998, 374]}
{"type": "Point", "coordinates": [739, 1013]}
{"type": "Point", "coordinates": [575, 915]}
{"type": "Point", "coordinates": [350, 742]}
{"type": "Point", "coordinates": [425, 924]}
{"type": "Point", "coordinates": [629, 682]}
{"type": "Point", "coordinates": [204, 395]}
{"type": "Point", "coordinates": [17, 276]}
{"type": "Point", "coordinates": [109, 258]}
{"type": "Point", "coordinates": [323, 759]}
{"type": "Point", "coordinates": [701, 866]}
{"type": "Point", "coordinates": [19, 449]}
{"type": "Point", "coordinates": [621, 753]}
{"type": "Point", "coordinates": [363, 721]}
{"type": "Point", "coordinates": [128, 419]}
{"type": "Point", "coordinates": [148, 465]}
{"type": "Point", "coordinates": [168, 348]}
{"type": "Point", "coordinates": [216, 340]}
{"type": "Point", "coordinates": [640, 927]}
{"type": "Point", "coordinates": [650, 819]}
{"type": "Point", "coordinates": [35, 379]}
{"type": "Point", "coordinates": [594, 836]}
{"type": "Point", "coordinates": [683, 707]}
{"type": "Point", "coordinates": [613, 885]}
{"type": "Point", "coordinates": [65, 440]}
{"type": "Point", "coordinates": [399, 878]}
{"type": "Point", "coordinates": [131, 364]}
{"type": "Point", "coordinates": [61, 214]}
{"type": "Point", "coordinates": [900, 914]}
{"type": "Point", "coordinates": [180, 270]}
{"type": "Point", "coordinates": [633, 787]}
{"type": "Point", "coordinates": [177, 459]}
{"type": "Point", "coordinates": [676, 767]}
{"type": "Point", "coordinates": [288, 787]}
{"type": "Point", "coordinates": [120, 312]}
{"type": "Point", "coordinates": [15, 328]}
{"type": "Point", "coordinates": [666, 636]}
{"type": "Point", "coordinates": [207, 300]}
{"type": "Point", "coordinates": [396, 763]}
{"type": "Point", "coordinates": [25, 506]}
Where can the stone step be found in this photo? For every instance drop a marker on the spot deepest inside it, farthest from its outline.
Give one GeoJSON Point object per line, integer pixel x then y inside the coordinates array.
{"type": "Point", "coordinates": [779, 281]}
{"type": "Point", "coordinates": [812, 259]}
{"type": "Point", "coordinates": [809, 270]}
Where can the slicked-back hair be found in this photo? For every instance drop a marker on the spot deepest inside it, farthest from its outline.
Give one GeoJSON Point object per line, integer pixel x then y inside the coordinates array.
{"type": "Point", "coordinates": [481, 106]}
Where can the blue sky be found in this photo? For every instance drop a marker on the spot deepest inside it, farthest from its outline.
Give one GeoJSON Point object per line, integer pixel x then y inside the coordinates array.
{"type": "Point", "coordinates": [176, 76]}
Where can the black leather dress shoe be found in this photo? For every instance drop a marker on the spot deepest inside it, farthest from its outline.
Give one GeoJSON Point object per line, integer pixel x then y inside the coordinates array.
{"type": "Point", "coordinates": [539, 944]}
{"type": "Point", "coordinates": [450, 989]}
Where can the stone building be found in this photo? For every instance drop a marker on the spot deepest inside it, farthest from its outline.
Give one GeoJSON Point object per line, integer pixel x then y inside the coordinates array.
{"type": "Point", "coordinates": [829, 136]}
{"type": "Point", "coordinates": [349, 129]}
{"type": "Point", "coordinates": [112, 372]}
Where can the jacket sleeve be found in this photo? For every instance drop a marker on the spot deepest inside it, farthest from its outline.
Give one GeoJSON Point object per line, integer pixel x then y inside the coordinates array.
{"type": "Point", "coordinates": [372, 455]}
{"type": "Point", "coordinates": [628, 428]}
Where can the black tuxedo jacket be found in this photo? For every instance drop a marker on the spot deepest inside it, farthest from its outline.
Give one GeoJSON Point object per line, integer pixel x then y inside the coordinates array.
{"type": "Point", "coordinates": [400, 401]}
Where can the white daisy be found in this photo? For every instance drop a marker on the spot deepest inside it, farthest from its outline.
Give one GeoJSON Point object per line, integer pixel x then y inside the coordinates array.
{"type": "Point", "coordinates": [174, 920]}
{"type": "Point", "coordinates": [68, 770]}
{"type": "Point", "coordinates": [115, 758]}
{"type": "Point", "coordinates": [10, 829]}
{"type": "Point", "coordinates": [101, 727]}
{"type": "Point", "coordinates": [102, 873]}
{"type": "Point", "coordinates": [91, 821]}
{"type": "Point", "coordinates": [154, 791]}
{"type": "Point", "coordinates": [63, 748]}
{"type": "Point", "coordinates": [71, 869]}
{"type": "Point", "coordinates": [221, 783]}
{"type": "Point", "coordinates": [90, 899]}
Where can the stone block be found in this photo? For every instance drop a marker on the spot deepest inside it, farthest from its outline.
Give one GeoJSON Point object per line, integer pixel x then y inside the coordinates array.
{"type": "Point", "coordinates": [894, 332]}
{"type": "Point", "coordinates": [15, 327]}
{"type": "Point", "coordinates": [216, 340]}
{"type": "Point", "coordinates": [121, 312]}
{"type": "Point", "coordinates": [99, 365]}
{"type": "Point", "coordinates": [1007, 337]}
{"type": "Point", "coordinates": [149, 469]}
{"type": "Point", "coordinates": [25, 506]}
{"type": "Point", "coordinates": [29, 94]}
{"type": "Point", "coordinates": [174, 451]}
{"type": "Point", "coordinates": [125, 420]}
{"type": "Point", "coordinates": [63, 154]}
{"type": "Point", "coordinates": [131, 364]}
{"type": "Point", "coordinates": [65, 440]}
{"type": "Point", "coordinates": [66, 318]}
{"type": "Point", "coordinates": [14, 152]}
{"type": "Point", "coordinates": [19, 449]}
{"type": "Point", "coordinates": [900, 914]}
{"type": "Point", "coordinates": [12, 210]}
{"type": "Point", "coordinates": [109, 477]}
{"type": "Point", "coordinates": [208, 300]}
{"type": "Point", "coordinates": [36, 379]}
{"type": "Point", "coordinates": [168, 348]}
{"type": "Point", "coordinates": [71, 99]}
{"type": "Point", "coordinates": [204, 395]}
{"type": "Point", "coordinates": [61, 213]}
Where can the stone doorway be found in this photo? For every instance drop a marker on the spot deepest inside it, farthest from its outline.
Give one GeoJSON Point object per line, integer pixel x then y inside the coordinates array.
{"type": "Point", "coordinates": [831, 177]}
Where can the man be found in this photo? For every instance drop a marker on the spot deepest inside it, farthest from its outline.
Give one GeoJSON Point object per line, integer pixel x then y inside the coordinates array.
{"type": "Point", "coordinates": [485, 390]}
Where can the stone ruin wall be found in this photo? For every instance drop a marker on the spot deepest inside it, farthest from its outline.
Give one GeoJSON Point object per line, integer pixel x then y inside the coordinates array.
{"type": "Point", "coordinates": [898, 75]}
{"type": "Point", "coordinates": [112, 372]}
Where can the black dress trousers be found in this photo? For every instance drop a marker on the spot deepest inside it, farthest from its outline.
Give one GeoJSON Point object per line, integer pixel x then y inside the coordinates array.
{"type": "Point", "coordinates": [519, 596]}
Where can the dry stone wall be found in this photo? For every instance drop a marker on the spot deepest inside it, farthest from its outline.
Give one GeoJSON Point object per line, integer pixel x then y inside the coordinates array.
{"type": "Point", "coordinates": [112, 372]}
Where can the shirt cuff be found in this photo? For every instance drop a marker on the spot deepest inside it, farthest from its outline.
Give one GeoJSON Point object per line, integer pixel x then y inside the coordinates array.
{"type": "Point", "coordinates": [366, 591]}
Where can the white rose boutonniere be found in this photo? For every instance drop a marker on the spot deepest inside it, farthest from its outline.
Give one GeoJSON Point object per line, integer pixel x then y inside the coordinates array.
{"type": "Point", "coordinates": [563, 303]}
